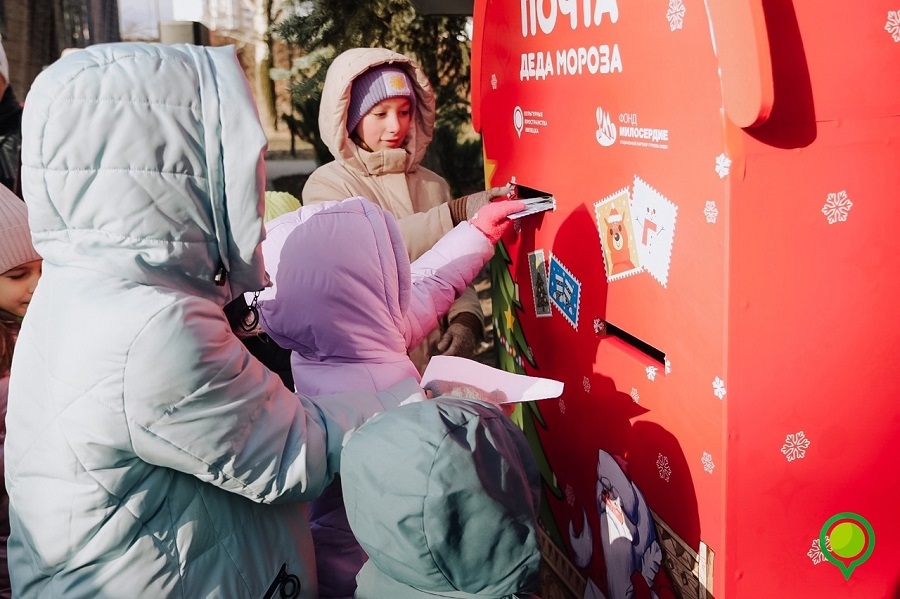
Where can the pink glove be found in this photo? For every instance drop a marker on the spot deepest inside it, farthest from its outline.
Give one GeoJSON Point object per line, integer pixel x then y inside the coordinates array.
{"type": "Point", "coordinates": [492, 219]}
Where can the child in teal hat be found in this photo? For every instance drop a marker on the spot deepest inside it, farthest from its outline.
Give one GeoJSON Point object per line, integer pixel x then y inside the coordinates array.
{"type": "Point", "coordinates": [443, 495]}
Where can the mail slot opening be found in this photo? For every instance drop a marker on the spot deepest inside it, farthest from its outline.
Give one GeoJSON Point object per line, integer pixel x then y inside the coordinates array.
{"type": "Point", "coordinates": [523, 192]}
{"type": "Point", "coordinates": [642, 346]}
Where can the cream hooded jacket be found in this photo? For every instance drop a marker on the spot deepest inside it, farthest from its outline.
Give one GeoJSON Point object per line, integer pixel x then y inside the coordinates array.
{"type": "Point", "coordinates": [148, 454]}
{"type": "Point", "coordinates": [394, 178]}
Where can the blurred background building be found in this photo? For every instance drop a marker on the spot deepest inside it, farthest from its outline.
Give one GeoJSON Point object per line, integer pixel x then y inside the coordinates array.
{"type": "Point", "coordinates": [35, 32]}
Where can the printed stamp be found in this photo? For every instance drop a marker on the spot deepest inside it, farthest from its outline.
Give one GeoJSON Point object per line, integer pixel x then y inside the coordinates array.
{"type": "Point", "coordinates": [539, 289]}
{"type": "Point", "coordinates": [565, 291]}
{"type": "Point", "coordinates": [614, 222]}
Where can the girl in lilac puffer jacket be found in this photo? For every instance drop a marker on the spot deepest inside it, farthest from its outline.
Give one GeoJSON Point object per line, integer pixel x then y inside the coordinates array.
{"type": "Point", "coordinates": [348, 304]}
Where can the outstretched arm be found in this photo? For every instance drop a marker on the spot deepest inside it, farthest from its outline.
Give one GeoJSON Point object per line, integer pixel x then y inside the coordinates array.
{"type": "Point", "coordinates": [212, 410]}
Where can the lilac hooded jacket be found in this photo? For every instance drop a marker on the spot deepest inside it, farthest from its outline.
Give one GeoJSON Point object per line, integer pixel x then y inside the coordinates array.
{"type": "Point", "coordinates": [345, 298]}
{"type": "Point", "coordinates": [347, 303]}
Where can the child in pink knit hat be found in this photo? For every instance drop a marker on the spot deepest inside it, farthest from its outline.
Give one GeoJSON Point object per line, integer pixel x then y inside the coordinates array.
{"type": "Point", "coordinates": [20, 269]}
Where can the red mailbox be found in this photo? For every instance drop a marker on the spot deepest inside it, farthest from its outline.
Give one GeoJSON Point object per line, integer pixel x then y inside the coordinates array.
{"type": "Point", "coordinates": [714, 287]}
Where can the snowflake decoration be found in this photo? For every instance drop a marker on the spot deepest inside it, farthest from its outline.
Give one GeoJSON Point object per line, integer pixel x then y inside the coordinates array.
{"type": "Point", "coordinates": [795, 446]}
{"type": "Point", "coordinates": [711, 212]}
{"type": "Point", "coordinates": [635, 395]}
{"type": "Point", "coordinates": [562, 406]}
{"type": "Point", "coordinates": [723, 165]}
{"type": "Point", "coordinates": [662, 464]}
{"type": "Point", "coordinates": [599, 326]}
{"type": "Point", "coordinates": [494, 81]}
{"type": "Point", "coordinates": [708, 463]}
{"type": "Point", "coordinates": [668, 366]}
{"type": "Point", "coordinates": [815, 552]}
{"type": "Point", "coordinates": [570, 495]}
{"type": "Point", "coordinates": [651, 372]}
{"type": "Point", "coordinates": [675, 14]}
{"type": "Point", "coordinates": [837, 207]}
{"type": "Point", "coordinates": [586, 383]}
{"type": "Point", "coordinates": [893, 24]}
{"type": "Point", "coordinates": [719, 388]}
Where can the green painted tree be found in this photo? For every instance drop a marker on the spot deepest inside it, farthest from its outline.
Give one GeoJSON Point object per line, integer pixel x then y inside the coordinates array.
{"type": "Point", "coordinates": [513, 352]}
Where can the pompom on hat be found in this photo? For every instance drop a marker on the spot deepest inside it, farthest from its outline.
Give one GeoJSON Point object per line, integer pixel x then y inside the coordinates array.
{"type": "Point", "coordinates": [374, 86]}
{"type": "Point", "coordinates": [15, 237]}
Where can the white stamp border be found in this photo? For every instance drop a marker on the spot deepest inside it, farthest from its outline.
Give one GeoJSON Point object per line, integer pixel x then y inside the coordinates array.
{"type": "Point", "coordinates": [647, 188]}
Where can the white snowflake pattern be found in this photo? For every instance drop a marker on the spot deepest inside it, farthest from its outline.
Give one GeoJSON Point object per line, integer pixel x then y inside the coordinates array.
{"type": "Point", "coordinates": [723, 165]}
{"type": "Point", "coordinates": [635, 395]}
{"type": "Point", "coordinates": [586, 383]}
{"type": "Point", "coordinates": [719, 388]}
{"type": "Point", "coordinates": [494, 81]}
{"type": "Point", "coordinates": [837, 207]}
{"type": "Point", "coordinates": [570, 495]}
{"type": "Point", "coordinates": [562, 406]}
{"type": "Point", "coordinates": [795, 446]}
{"type": "Point", "coordinates": [599, 326]}
{"type": "Point", "coordinates": [675, 14]}
{"type": "Point", "coordinates": [662, 464]}
{"type": "Point", "coordinates": [893, 24]}
{"type": "Point", "coordinates": [815, 552]}
{"type": "Point", "coordinates": [708, 463]}
{"type": "Point", "coordinates": [651, 372]}
{"type": "Point", "coordinates": [668, 366]}
{"type": "Point", "coordinates": [711, 212]}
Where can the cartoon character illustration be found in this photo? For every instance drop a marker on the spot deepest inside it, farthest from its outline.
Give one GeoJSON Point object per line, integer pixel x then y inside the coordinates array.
{"type": "Point", "coordinates": [649, 226]}
{"type": "Point", "coordinates": [628, 535]}
{"type": "Point", "coordinates": [618, 242]}
{"type": "Point", "coordinates": [614, 223]}
{"type": "Point", "coordinates": [654, 225]}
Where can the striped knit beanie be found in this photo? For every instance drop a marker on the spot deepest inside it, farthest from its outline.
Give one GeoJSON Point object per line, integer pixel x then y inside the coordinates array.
{"type": "Point", "coordinates": [374, 86]}
{"type": "Point", "coordinates": [15, 237]}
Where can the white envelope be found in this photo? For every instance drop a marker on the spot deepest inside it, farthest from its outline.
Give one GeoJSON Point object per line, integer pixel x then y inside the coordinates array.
{"type": "Point", "coordinates": [517, 387]}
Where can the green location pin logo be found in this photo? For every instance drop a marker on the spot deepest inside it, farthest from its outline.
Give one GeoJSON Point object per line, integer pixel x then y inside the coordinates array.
{"type": "Point", "coordinates": [847, 540]}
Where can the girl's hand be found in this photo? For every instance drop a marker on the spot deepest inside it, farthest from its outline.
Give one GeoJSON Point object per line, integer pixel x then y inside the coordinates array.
{"type": "Point", "coordinates": [492, 219]}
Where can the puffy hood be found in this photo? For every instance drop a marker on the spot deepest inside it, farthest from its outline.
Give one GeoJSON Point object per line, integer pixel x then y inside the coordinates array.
{"type": "Point", "coordinates": [147, 179]}
{"type": "Point", "coordinates": [459, 517]}
{"type": "Point", "coordinates": [341, 283]}
{"type": "Point", "coordinates": [336, 98]}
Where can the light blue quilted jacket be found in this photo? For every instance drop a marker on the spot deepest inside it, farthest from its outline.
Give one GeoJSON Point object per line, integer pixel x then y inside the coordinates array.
{"type": "Point", "coordinates": [148, 453]}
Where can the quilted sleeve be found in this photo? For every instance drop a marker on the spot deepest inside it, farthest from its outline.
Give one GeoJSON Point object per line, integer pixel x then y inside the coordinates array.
{"type": "Point", "coordinates": [198, 402]}
{"type": "Point", "coordinates": [441, 275]}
